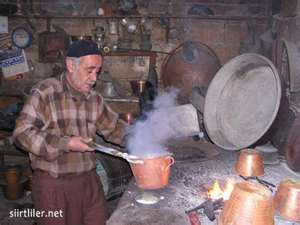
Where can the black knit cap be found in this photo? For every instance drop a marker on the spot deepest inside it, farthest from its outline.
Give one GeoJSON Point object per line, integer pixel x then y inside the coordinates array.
{"type": "Point", "coordinates": [82, 48]}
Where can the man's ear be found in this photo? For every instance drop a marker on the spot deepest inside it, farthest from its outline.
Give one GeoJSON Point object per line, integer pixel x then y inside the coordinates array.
{"type": "Point", "coordinates": [70, 65]}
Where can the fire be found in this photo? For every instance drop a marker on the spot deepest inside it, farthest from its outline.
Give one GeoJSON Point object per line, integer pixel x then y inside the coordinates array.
{"type": "Point", "coordinates": [216, 192]}
{"type": "Point", "coordinates": [228, 188]}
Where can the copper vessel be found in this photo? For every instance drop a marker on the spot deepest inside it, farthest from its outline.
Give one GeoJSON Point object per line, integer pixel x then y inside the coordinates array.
{"type": "Point", "coordinates": [249, 204]}
{"type": "Point", "coordinates": [14, 191]}
{"type": "Point", "coordinates": [137, 86]}
{"type": "Point", "coordinates": [128, 117]}
{"type": "Point", "coordinates": [12, 174]}
{"type": "Point", "coordinates": [287, 200]}
{"type": "Point", "coordinates": [191, 64]}
{"type": "Point", "coordinates": [153, 173]}
{"type": "Point", "coordinates": [250, 163]}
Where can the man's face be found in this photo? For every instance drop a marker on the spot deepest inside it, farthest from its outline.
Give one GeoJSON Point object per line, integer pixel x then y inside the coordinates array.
{"type": "Point", "coordinates": [84, 75]}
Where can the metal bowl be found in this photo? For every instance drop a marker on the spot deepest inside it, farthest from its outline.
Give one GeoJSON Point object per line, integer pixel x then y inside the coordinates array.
{"type": "Point", "coordinates": [242, 101]}
{"type": "Point", "coordinates": [287, 200]}
{"type": "Point", "coordinates": [250, 163]}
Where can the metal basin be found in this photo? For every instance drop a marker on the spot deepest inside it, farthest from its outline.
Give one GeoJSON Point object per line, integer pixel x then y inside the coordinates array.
{"type": "Point", "coordinates": [242, 101]}
{"type": "Point", "coordinates": [191, 64]}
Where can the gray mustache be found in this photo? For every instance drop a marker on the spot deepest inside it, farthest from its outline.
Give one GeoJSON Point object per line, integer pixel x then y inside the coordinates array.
{"type": "Point", "coordinates": [90, 83]}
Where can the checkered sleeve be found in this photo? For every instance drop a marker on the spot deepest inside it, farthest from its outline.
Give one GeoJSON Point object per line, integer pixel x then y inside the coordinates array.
{"type": "Point", "coordinates": [31, 132]}
{"type": "Point", "coordinates": [110, 126]}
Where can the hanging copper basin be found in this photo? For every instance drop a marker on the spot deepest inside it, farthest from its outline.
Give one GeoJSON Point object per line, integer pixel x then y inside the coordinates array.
{"type": "Point", "coordinates": [190, 64]}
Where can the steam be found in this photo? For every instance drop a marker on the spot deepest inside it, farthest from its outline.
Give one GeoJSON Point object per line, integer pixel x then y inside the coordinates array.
{"type": "Point", "coordinates": [148, 137]}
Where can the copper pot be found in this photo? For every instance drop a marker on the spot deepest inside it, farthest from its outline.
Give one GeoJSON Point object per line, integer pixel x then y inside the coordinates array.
{"type": "Point", "coordinates": [137, 86]}
{"type": "Point", "coordinates": [287, 200]}
{"type": "Point", "coordinates": [153, 173]}
{"type": "Point", "coordinates": [128, 117]}
{"type": "Point", "coordinates": [249, 204]}
{"type": "Point", "coordinates": [250, 163]}
{"type": "Point", "coordinates": [12, 174]}
{"type": "Point", "coordinates": [13, 191]}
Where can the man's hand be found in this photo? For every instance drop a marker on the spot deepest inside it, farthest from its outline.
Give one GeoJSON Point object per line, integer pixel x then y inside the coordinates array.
{"type": "Point", "coordinates": [79, 144]}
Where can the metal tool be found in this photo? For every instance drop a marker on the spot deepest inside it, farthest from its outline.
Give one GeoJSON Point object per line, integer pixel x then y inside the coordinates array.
{"type": "Point", "coordinates": [114, 152]}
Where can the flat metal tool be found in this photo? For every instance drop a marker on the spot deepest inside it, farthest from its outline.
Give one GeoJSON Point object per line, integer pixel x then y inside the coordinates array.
{"type": "Point", "coordinates": [114, 152]}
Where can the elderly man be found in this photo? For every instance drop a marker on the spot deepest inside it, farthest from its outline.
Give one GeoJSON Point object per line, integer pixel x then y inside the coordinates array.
{"type": "Point", "coordinates": [58, 120]}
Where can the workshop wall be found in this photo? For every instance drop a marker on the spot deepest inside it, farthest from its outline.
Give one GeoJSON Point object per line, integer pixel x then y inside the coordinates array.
{"type": "Point", "coordinates": [235, 29]}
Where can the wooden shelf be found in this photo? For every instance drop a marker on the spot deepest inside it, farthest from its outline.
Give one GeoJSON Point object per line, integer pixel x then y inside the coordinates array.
{"type": "Point", "coordinates": [152, 16]}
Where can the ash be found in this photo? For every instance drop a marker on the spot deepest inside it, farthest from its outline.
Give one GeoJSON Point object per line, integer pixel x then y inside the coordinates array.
{"type": "Point", "coordinates": [190, 181]}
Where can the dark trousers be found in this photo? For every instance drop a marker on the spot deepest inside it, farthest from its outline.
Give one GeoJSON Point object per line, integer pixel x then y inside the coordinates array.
{"type": "Point", "coordinates": [69, 200]}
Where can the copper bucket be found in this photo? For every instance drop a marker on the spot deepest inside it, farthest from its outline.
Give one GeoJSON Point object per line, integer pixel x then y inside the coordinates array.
{"type": "Point", "coordinates": [153, 173]}
{"type": "Point", "coordinates": [250, 163]}
{"type": "Point", "coordinates": [249, 204]}
{"type": "Point", "coordinates": [287, 200]}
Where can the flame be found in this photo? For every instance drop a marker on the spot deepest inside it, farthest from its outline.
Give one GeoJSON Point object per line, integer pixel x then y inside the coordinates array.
{"type": "Point", "coordinates": [216, 192]}
{"type": "Point", "coordinates": [228, 188]}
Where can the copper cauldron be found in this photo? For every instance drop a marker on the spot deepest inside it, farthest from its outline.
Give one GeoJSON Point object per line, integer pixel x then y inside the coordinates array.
{"type": "Point", "coordinates": [287, 200]}
{"type": "Point", "coordinates": [249, 204]}
{"type": "Point", "coordinates": [153, 173]}
{"type": "Point", "coordinates": [250, 163]}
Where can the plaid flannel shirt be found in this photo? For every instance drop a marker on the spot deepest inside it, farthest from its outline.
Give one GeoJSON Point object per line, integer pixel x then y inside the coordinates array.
{"type": "Point", "coordinates": [52, 114]}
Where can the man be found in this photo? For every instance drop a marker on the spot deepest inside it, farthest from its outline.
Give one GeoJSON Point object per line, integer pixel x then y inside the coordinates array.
{"type": "Point", "coordinates": [57, 121]}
